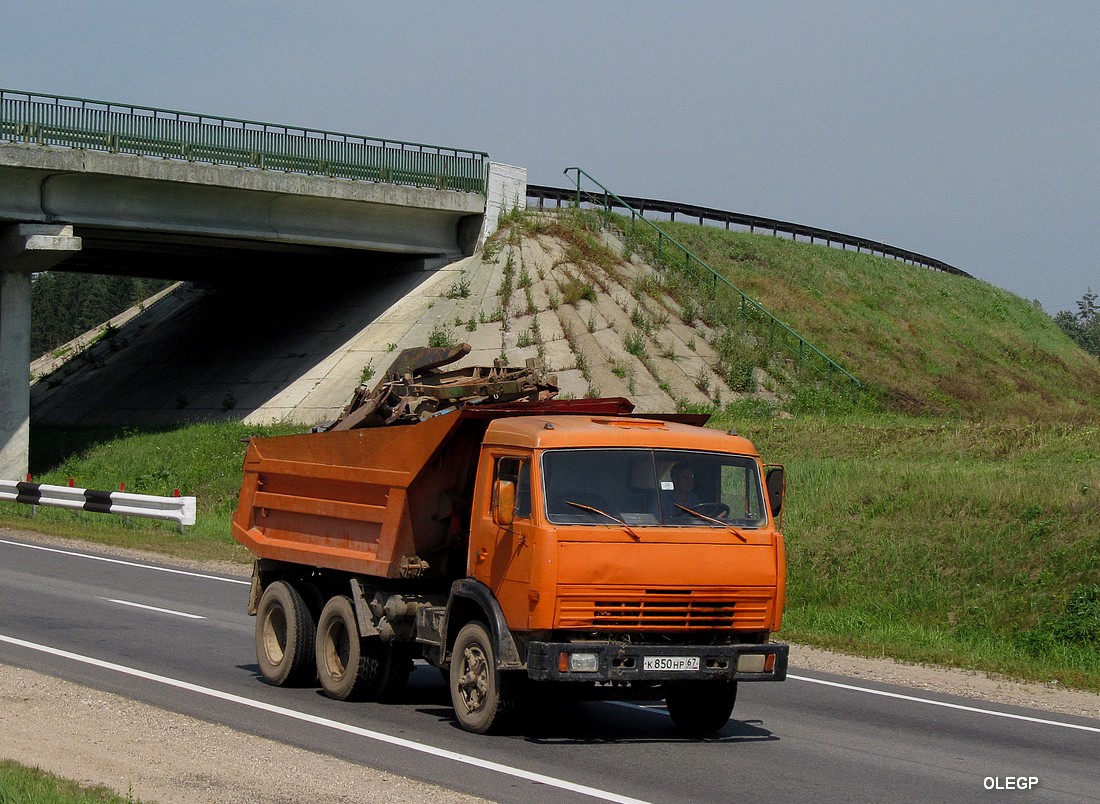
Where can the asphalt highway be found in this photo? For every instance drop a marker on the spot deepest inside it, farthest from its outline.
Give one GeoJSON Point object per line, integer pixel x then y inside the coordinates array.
{"type": "Point", "coordinates": [182, 640]}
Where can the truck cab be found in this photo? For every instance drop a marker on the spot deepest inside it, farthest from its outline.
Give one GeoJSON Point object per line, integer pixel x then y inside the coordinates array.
{"type": "Point", "coordinates": [627, 554]}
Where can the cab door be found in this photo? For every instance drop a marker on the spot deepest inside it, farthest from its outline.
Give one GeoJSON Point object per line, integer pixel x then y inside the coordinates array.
{"type": "Point", "coordinates": [502, 552]}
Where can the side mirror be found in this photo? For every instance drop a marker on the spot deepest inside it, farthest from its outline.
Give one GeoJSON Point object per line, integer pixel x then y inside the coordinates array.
{"type": "Point", "coordinates": [775, 480]}
{"type": "Point", "coordinates": [504, 502]}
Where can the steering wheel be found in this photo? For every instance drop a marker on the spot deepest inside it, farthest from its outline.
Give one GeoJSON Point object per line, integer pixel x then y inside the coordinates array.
{"type": "Point", "coordinates": [715, 510]}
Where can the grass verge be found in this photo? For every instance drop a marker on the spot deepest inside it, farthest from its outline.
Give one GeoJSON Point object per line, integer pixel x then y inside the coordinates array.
{"type": "Point", "coordinates": [961, 543]}
{"type": "Point", "coordinates": [18, 783]}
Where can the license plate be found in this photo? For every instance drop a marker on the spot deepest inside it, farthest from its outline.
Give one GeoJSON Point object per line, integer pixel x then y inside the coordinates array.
{"type": "Point", "coordinates": [674, 663]}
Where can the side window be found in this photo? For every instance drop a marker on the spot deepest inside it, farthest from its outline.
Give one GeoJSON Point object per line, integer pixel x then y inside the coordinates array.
{"type": "Point", "coordinates": [517, 471]}
{"type": "Point", "coordinates": [741, 491]}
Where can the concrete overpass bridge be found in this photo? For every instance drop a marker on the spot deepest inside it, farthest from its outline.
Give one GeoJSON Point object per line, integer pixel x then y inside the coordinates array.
{"type": "Point", "coordinates": [107, 188]}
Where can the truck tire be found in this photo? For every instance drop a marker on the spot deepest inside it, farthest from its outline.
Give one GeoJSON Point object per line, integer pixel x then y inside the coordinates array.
{"type": "Point", "coordinates": [354, 668]}
{"type": "Point", "coordinates": [479, 694]}
{"type": "Point", "coordinates": [701, 707]}
{"type": "Point", "coordinates": [394, 666]}
{"type": "Point", "coordinates": [285, 636]}
{"type": "Point", "coordinates": [341, 660]}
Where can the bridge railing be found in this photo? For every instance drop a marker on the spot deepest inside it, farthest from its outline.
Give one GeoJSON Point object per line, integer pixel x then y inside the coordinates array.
{"type": "Point", "coordinates": [671, 253]}
{"type": "Point", "coordinates": [540, 194]}
{"type": "Point", "coordinates": [120, 128]}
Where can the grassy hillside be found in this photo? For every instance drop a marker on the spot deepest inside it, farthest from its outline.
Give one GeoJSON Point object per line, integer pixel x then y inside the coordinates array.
{"type": "Point", "coordinates": [925, 342]}
{"type": "Point", "coordinates": [953, 516]}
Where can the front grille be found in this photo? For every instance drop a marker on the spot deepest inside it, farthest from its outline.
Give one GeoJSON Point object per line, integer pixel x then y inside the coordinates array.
{"type": "Point", "coordinates": [663, 610]}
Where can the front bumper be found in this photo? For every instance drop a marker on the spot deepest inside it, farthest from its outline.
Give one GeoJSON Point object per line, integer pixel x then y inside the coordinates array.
{"type": "Point", "coordinates": [617, 662]}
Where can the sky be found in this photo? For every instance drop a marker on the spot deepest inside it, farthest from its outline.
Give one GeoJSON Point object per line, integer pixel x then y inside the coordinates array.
{"type": "Point", "coordinates": [965, 131]}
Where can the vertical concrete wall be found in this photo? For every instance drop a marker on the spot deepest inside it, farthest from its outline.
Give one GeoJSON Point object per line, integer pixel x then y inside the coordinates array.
{"type": "Point", "coordinates": [24, 249]}
{"type": "Point", "coordinates": [15, 351]}
{"type": "Point", "coordinates": [507, 188]}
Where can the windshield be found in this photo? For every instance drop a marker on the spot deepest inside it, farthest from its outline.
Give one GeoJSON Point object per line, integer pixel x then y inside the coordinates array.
{"type": "Point", "coordinates": [652, 487]}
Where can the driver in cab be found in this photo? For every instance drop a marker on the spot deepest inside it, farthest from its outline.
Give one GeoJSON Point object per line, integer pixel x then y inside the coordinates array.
{"type": "Point", "coordinates": [683, 488]}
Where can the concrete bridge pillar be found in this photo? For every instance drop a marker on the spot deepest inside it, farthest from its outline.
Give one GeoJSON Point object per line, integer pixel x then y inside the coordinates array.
{"type": "Point", "coordinates": [25, 248]}
{"type": "Point", "coordinates": [506, 190]}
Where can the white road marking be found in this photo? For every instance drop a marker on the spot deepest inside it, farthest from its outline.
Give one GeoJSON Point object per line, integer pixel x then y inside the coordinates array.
{"type": "Point", "coordinates": [441, 753]}
{"type": "Point", "coordinates": [153, 608]}
{"type": "Point", "coordinates": [126, 563]}
{"type": "Point", "coordinates": [930, 702]}
{"type": "Point", "coordinates": [654, 709]}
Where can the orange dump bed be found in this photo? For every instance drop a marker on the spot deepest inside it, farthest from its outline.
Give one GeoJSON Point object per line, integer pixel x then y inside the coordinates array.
{"type": "Point", "coordinates": [355, 500]}
{"type": "Point", "coordinates": [384, 501]}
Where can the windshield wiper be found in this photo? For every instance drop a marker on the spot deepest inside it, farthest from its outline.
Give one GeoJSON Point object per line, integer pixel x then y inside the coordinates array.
{"type": "Point", "coordinates": [731, 528]}
{"type": "Point", "coordinates": [614, 519]}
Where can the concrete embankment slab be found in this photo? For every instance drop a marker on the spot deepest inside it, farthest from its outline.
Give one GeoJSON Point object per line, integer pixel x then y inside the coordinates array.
{"type": "Point", "coordinates": [287, 352]}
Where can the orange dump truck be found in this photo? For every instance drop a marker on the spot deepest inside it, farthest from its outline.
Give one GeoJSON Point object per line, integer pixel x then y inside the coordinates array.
{"type": "Point", "coordinates": [562, 546]}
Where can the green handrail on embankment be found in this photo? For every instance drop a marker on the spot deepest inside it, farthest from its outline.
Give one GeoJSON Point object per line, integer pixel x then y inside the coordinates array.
{"type": "Point", "coordinates": [748, 307]}
{"type": "Point", "coordinates": [122, 128]}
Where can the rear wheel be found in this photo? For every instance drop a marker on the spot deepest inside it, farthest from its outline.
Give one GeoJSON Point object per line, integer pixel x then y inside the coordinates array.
{"type": "Point", "coordinates": [351, 667]}
{"type": "Point", "coordinates": [701, 707]}
{"type": "Point", "coordinates": [340, 656]}
{"type": "Point", "coordinates": [285, 634]}
{"type": "Point", "coordinates": [393, 665]}
{"type": "Point", "coordinates": [478, 691]}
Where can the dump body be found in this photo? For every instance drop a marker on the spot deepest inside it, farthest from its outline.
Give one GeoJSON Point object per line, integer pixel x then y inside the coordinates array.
{"type": "Point", "coordinates": [385, 501]}
{"type": "Point", "coordinates": [363, 501]}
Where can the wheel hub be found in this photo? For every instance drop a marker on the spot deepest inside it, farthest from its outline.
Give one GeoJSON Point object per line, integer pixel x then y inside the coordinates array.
{"type": "Point", "coordinates": [474, 682]}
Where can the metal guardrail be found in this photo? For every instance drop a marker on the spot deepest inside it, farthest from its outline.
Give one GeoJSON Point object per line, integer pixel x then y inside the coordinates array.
{"type": "Point", "coordinates": [180, 510]}
{"type": "Point", "coordinates": [801, 349]}
{"type": "Point", "coordinates": [753, 223]}
{"type": "Point", "coordinates": [122, 128]}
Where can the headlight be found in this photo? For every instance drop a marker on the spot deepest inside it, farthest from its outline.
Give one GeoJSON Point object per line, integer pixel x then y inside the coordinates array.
{"type": "Point", "coordinates": [750, 663]}
{"type": "Point", "coordinates": [578, 662]}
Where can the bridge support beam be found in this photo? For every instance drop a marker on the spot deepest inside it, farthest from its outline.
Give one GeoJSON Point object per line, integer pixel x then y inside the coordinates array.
{"type": "Point", "coordinates": [24, 249]}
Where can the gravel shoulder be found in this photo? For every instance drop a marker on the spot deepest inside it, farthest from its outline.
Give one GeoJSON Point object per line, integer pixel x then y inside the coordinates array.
{"type": "Point", "coordinates": [159, 756]}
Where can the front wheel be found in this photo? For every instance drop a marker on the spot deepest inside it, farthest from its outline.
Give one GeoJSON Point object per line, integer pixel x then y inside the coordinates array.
{"type": "Point", "coordinates": [701, 707]}
{"type": "Point", "coordinates": [477, 691]}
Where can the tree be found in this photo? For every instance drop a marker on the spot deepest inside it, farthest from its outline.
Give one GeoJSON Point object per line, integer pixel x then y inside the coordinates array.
{"type": "Point", "coordinates": [1084, 327]}
{"type": "Point", "coordinates": [65, 305]}
{"type": "Point", "coordinates": [1087, 306]}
